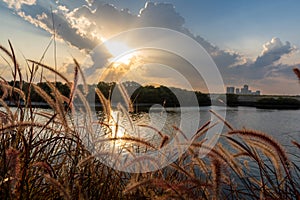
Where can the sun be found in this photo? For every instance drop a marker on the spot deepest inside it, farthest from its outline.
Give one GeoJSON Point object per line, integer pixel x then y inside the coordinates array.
{"type": "Point", "coordinates": [121, 53]}
{"type": "Point", "coordinates": [117, 130]}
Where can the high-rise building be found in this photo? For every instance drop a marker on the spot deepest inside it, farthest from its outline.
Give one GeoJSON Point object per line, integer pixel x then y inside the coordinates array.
{"type": "Point", "coordinates": [243, 90]}
{"type": "Point", "coordinates": [230, 90]}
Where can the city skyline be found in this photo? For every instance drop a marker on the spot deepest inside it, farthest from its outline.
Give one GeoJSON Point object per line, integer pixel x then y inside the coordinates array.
{"type": "Point", "coordinates": [245, 90]}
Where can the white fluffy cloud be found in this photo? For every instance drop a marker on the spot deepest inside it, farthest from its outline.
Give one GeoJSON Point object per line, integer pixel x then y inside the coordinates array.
{"type": "Point", "coordinates": [17, 4]}
{"type": "Point", "coordinates": [267, 64]}
{"type": "Point", "coordinates": [273, 51]}
{"type": "Point", "coordinates": [41, 16]}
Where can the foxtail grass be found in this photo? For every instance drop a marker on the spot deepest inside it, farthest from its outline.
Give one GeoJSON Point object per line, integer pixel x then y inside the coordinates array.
{"type": "Point", "coordinates": [48, 159]}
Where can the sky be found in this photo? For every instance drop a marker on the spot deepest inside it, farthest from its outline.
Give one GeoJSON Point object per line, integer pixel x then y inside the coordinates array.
{"type": "Point", "coordinates": [251, 42]}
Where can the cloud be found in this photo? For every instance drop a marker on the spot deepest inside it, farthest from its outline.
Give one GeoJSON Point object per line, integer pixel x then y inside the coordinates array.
{"type": "Point", "coordinates": [42, 18]}
{"type": "Point", "coordinates": [265, 65]}
{"type": "Point", "coordinates": [35, 21]}
{"type": "Point", "coordinates": [90, 2]}
{"type": "Point", "coordinates": [62, 8]}
{"type": "Point", "coordinates": [160, 15]}
{"type": "Point", "coordinates": [17, 4]}
{"type": "Point", "coordinates": [106, 18]}
{"type": "Point", "coordinates": [87, 25]}
{"type": "Point", "coordinates": [84, 27]}
{"type": "Point", "coordinates": [273, 51]}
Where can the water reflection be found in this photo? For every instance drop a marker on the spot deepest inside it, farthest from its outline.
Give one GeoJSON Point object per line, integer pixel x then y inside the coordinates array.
{"type": "Point", "coordinates": [283, 125]}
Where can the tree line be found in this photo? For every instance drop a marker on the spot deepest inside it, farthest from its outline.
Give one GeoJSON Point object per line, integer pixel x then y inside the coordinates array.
{"type": "Point", "coordinates": [139, 95]}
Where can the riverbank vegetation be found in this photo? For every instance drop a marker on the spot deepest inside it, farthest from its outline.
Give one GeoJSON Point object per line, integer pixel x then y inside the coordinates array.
{"type": "Point", "coordinates": [49, 160]}
{"type": "Point", "coordinates": [140, 95]}
{"type": "Point", "coordinates": [278, 103]}
{"type": "Point", "coordinates": [264, 102]}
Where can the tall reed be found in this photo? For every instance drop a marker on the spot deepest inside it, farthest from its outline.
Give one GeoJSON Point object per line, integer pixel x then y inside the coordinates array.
{"type": "Point", "coordinates": [43, 155]}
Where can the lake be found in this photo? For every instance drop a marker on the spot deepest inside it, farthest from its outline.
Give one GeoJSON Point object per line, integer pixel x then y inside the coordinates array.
{"type": "Point", "coordinates": [283, 125]}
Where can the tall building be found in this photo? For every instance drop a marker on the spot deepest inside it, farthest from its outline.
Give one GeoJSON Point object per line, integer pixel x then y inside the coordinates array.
{"type": "Point", "coordinates": [243, 90]}
{"type": "Point", "coordinates": [257, 92]}
{"type": "Point", "coordinates": [230, 90]}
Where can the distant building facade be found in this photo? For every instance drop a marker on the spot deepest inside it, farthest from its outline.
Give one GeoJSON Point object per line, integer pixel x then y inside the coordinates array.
{"type": "Point", "coordinates": [243, 90]}
{"type": "Point", "coordinates": [230, 90]}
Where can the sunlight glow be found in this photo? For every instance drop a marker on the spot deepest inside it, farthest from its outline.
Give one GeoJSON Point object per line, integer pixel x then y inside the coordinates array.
{"type": "Point", "coordinates": [117, 130]}
{"type": "Point", "coordinates": [117, 50]}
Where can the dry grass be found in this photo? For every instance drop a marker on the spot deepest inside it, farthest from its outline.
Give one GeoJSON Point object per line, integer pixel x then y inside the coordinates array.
{"type": "Point", "coordinates": [49, 159]}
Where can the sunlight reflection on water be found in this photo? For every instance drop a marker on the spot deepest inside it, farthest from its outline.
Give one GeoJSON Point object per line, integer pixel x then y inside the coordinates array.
{"type": "Point", "coordinates": [283, 125]}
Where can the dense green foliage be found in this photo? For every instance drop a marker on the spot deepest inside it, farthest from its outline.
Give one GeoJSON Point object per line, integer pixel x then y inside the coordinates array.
{"type": "Point", "coordinates": [279, 103]}
{"type": "Point", "coordinates": [149, 95]}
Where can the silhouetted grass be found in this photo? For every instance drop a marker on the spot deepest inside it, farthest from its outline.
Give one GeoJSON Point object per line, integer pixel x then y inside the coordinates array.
{"type": "Point", "coordinates": [48, 159]}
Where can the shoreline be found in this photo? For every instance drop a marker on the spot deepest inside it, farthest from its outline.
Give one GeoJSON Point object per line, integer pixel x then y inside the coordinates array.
{"type": "Point", "coordinates": [146, 107]}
